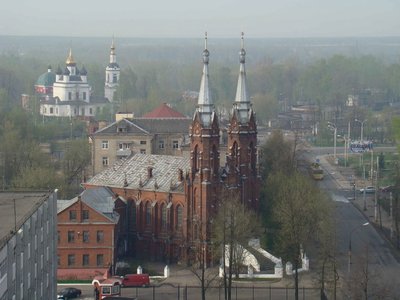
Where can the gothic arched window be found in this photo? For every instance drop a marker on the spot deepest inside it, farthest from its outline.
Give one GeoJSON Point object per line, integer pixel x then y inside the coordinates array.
{"type": "Point", "coordinates": [253, 158]}
{"type": "Point", "coordinates": [235, 154]}
{"type": "Point", "coordinates": [214, 156]}
{"type": "Point", "coordinates": [196, 158]}
{"type": "Point", "coordinates": [179, 216]}
{"type": "Point", "coordinates": [148, 213]}
{"type": "Point", "coordinates": [163, 216]}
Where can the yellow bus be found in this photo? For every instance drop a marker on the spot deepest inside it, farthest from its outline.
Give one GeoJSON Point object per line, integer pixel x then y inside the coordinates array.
{"type": "Point", "coordinates": [316, 171]}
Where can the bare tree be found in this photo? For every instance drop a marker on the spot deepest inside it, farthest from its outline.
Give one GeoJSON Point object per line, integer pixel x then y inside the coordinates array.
{"type": "Point", "coordinates": [367, 282]}
{"type": "Point", "coordinates": [234, 225]}
{"type": "Point", "coordinates": [198, 256]}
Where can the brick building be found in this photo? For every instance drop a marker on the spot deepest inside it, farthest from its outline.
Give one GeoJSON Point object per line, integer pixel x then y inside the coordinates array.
{"type": "Point", "coordinates": [91, 234]}
{"type": "Point", "coordinates": [172, 200]}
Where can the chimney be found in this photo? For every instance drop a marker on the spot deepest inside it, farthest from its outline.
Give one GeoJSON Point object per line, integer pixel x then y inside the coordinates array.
{"type": "Point", "coordinates": [180, 175]}
{"type": "Point", "coordinates": [149, 172]}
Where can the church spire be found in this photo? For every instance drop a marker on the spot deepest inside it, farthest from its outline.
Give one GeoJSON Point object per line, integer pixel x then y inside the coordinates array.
{"type": "Point", "coordinates": [205, 105]}
{"type": "Point", "coordinates": [113, 57]}
{"type": "Point", "coordinates": [70, 58]}
{"type": "Point", "coordinates": [242, 102]}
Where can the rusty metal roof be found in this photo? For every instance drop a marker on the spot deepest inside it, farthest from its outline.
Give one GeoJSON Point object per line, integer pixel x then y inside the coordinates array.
{"type": "Point", "coordinates": [133, 173]}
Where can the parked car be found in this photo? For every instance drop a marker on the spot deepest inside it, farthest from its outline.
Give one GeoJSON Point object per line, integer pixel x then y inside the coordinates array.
{"type": "Point", "coordinates": [142, 280]}
{"type": "Point", "coordinates": [69, 293]}
{"type": "Point", "coordinates": [60, 297]}
{"type": "Point", "coordinates": [368, 190]}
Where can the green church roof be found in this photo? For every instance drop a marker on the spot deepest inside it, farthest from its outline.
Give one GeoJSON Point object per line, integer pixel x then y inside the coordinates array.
{"type": "Point", "coordinates": [46, 79]}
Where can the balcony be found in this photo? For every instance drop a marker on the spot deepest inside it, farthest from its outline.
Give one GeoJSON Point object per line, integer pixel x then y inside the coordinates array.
{"type": "Point", "coordinates": [124, 152]}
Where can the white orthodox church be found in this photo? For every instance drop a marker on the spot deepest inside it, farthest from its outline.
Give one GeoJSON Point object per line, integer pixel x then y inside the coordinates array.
{"type": "Point", "coordinates": [68, 94]}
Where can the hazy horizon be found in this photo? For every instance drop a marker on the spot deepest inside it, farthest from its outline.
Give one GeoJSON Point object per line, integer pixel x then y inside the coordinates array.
{"type": "Point", "coordinates": [221, 19]}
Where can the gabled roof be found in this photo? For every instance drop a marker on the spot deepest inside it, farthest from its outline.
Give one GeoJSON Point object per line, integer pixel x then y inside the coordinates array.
{"type": "Point", "coordinates": [130, 128]}
{"type": "Point", "coordinates": [146, 127]}
{"type": "Point", "coordinates": [164, 112]}
{"type": "Point", "coordinates": [164, 125]}
{"type": "Point", "coordinates": [132, 173]}
{"type": "Point", "coordinates": [99, 199]}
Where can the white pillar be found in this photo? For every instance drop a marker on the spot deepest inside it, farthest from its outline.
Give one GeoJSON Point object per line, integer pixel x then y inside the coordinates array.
{"type": "Point", "coordinates": [221, 271]}
{"type": "Point", "coordinates": [289, 268]}
{"type": "Point", "coordinates": [250, 271]}
{"type": "Point", "coordinates": [166, 271]}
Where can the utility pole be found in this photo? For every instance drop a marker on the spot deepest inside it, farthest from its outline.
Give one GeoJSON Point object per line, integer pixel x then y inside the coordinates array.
{"type": "Point", "coordinates": [376, 191]}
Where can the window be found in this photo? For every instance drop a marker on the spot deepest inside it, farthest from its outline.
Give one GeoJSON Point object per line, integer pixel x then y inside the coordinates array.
{"type": "Point", "coordinates": [175, 144]}
{"type": "Point", "coordinates": [58, 260]}
{"type": "Point", "coordinates": [91, 111]}
{"type": "Point", "coordinates": [143, 142]}
{"type": "Point", "coordinates": [72, 215]}
{"type": "Point", "coordinates": [114, 78]}
{"type": "Point", "coordinates": [161, 144]}
{"type": "Point", "coordinates": [71, 259]}
{"type": "Point", "coordinates": [164, 216]}
{"type": "Point", "coordinates": [86, 236]}
{"type": "Point", "coordinates": [69, 95]}
{"type": "Point", "coordinates": [84, 95]}
{"type": "Point", "coordinates": [51, 110]}
{"type": "Point", "coordinates": [71, 236]}
{"type": "Point", "coordinates": [104, 144]}
{"type": "Point", "coordinates": [85, 260]}
{"type": "Point", "coordinates": [142, 151]}
{"type": "Point", "coordinates": [179, 211]}
{"type": "Point", "coordinates": [58, 236]}
{"type": "Point", "coordinates": [100, 236]}
{"type": "Point", "coordinates": [77, 95]}
{"type": "Point", "coordinates": [85, 215]}
{"type": "Point", "coordinates": [82, 112]}
{"type": "Point", "coordinates": [148, 213]}
{"type": "Point", "coordinates": [99, 260]}
{"type": "Point", "coordinates": [105, 161]}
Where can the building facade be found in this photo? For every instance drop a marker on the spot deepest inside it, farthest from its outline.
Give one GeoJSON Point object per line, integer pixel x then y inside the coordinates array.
{"type": "Point", "coordinates": [28, 260]}
{"type": "Point", "coordinates": [91, 234]}
{"type": "Point", "coordinates": [162, 131]}
{"type": "Point", "coordinates": [174, 198]}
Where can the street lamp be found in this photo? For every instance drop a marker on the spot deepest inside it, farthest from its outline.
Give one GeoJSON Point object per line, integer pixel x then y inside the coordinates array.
{"type": "Point", "coordinates": [333, 127]}
{"type": "Point", "coordinates": [351, 233]}
{"type": "Point", "coordinates": [362, 128]}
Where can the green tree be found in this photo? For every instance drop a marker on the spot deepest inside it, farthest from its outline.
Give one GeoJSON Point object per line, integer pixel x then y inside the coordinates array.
{"type": "Point", "coordinates": [300, 210]}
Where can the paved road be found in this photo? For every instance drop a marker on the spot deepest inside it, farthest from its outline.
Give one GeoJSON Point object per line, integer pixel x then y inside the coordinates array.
{"type": "Point", "coordinates": [366, 244]}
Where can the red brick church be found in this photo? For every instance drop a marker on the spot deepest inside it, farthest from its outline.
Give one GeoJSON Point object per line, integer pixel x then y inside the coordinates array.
{"type": "Point", "coordinates": [172, 199]}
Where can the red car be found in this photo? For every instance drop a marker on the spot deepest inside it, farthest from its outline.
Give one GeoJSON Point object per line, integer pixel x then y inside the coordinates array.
{"type": "Point", "coordinates": [142, 280]}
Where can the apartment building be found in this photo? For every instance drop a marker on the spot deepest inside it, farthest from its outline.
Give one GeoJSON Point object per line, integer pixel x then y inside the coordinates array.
{"type": "Point", "coordinates": [28, 245]}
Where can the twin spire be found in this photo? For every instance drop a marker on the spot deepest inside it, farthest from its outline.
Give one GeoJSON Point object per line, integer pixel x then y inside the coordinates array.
{"type": "Point", "coordinates": [205, 106]}
{"type": "Point", "coordinates": [241, 106]}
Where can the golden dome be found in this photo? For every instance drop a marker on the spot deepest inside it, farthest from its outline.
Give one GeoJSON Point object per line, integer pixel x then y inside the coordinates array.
{"type": "Point", "coordinates": [70, 59]}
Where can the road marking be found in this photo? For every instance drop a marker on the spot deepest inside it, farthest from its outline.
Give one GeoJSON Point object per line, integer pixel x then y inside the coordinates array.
{"type": "Point", "coordinates": [338, 198]}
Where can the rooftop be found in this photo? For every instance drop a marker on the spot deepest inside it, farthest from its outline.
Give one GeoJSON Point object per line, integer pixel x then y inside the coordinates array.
{"type": "Point", "coordinates": [164, 111]}
{"type": "Point", "coordinates": [100, 199]}
{"type": "Point", "coordinates": [25, 204]}
{"type": "Point", "coordinates": [133, 173]}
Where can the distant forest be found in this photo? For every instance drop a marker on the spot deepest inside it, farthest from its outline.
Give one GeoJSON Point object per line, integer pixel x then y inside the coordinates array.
{"type": "Point", "coordinates": [319, 71]}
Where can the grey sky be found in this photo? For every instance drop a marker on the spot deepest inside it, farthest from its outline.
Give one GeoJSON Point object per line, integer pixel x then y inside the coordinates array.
{"type": "Point", "coordinates": [187, 18]}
